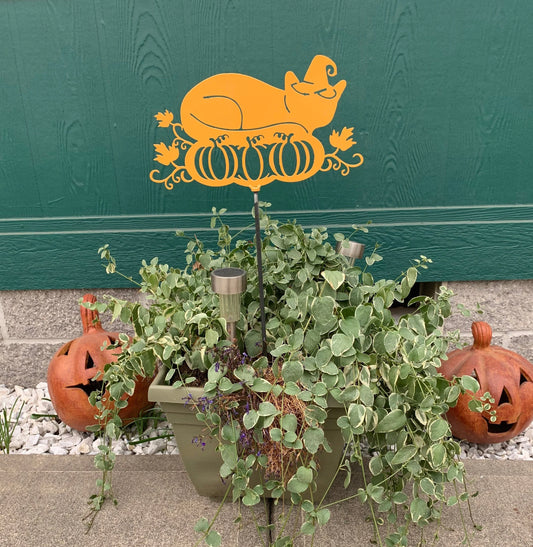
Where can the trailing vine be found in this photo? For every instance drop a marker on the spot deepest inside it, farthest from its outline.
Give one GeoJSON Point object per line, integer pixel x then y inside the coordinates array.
{"type": "Point", "coordinates": [331, 337]}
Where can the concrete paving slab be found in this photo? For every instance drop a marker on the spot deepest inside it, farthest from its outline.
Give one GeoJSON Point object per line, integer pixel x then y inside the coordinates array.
{"type": "Point", "coordinates": [502, 507]}
{"type": "Point", "coordinates": [44, 499]}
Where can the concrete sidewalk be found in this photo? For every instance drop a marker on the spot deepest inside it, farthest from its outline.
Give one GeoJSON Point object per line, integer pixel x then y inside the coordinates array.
{"type": "Point", "coordinates": [43, 499]}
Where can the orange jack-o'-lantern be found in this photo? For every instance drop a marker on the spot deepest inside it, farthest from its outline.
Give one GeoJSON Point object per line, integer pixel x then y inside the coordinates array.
{"type": "Point", "coordinates": [72, 369]}
{"type": "Point", "coordinates": [507, 376]}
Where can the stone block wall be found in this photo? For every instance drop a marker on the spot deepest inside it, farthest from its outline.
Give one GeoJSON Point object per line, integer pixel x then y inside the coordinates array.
{"type": "Point", "coordinates": [35, 324]}
{"type": "Point", "coordinates": [507, 307]}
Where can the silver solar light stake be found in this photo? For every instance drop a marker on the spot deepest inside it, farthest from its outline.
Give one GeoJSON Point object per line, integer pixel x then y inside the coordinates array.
{"type": "Point", "coordinates": [352, 251]}
{"type": "Point", "coordinates": [229, 284]}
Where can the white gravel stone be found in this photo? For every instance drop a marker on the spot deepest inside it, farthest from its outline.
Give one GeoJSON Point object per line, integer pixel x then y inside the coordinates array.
{"type": "Point", "coordinates": [16, 443]}
{"type": "Point", "coordinates": [45, 442]}
{"type": "Point", "coordinates": [48, 426]}
{"type": "Point", "coordinates": [38, 449]}
{"type": "Point", "coordinates": [96, 444]}
{"type": "Point", "coordinates": [157, 446]}
{"type": "Point", "coordinates": [51, 436]}
{"type": "Point", "coordinates": [69, 442]}
{"type": "Point", "coordinates": [31, 440]}
{"type": "Point", "coordinates": [84, 447]}
{"type": "Point", "coordinates": [119, 447]}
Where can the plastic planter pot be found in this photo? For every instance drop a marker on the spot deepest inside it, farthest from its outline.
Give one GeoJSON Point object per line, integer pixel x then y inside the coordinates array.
{"type": "Point", "coordinates": [203, 462]}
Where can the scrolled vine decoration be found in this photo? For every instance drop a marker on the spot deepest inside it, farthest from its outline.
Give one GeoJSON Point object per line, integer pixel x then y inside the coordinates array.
{"type": "Point", "coordinates": [178, 175]}
{"type": "Point", "coordinates": [342, 141]}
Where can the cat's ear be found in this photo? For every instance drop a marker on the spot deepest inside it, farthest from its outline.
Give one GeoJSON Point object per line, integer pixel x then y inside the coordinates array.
{"type": "Point", "coordinates": [290, 80]}
{"type": "Point", "coordinates": [339, 88]}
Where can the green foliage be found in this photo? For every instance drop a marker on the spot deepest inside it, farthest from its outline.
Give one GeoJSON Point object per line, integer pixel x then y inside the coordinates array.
{"type": "Point", "coordinates": [330, 335]}
{"type": "Point", "coordinates": [9, 419]}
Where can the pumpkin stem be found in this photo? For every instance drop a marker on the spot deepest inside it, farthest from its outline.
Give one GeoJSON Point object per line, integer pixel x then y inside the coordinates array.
{"type": "Point", "coordinates": [482, 334]}
{"type": "Point", "coordinates": [89, 318]}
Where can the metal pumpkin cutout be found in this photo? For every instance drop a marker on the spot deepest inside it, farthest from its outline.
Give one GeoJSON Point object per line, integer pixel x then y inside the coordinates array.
{"type": "Point", "coordinates": [507, 376]}
{"type": "Point", "coordinates": [73, 367]}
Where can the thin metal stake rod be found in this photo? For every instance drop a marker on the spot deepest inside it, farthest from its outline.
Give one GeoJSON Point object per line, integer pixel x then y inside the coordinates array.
{"type": "Point", "coordinates": [260, 271]}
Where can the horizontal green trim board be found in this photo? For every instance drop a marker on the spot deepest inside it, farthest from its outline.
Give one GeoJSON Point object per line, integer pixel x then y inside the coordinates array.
{"type": "Point", "coordinates": [333, 218]}
{"type": "Point", "coordinates": [480, 250]}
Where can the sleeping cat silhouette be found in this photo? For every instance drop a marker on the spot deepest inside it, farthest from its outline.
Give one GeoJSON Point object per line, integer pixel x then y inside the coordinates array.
{"type": "Point", "coordinates": [238, 107]}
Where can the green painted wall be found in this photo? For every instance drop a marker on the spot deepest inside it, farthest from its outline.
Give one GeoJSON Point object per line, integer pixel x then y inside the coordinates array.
{"type": "Point", "coordinates": [439, 94]}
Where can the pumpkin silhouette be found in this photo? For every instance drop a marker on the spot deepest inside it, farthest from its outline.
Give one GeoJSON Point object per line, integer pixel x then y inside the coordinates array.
{"type": "Point", "coordinates": [253, 164]}
{"type": "Point", "coordinates": [220, 162]}
{"type": "Point", "coordinates": [72, 370]}
{"type": "Point", "coordinates": [292, 160]}
{"type": "Point", "coordinates": [216, 163]}
{"type": "Point", "coordinates": [507, 376]}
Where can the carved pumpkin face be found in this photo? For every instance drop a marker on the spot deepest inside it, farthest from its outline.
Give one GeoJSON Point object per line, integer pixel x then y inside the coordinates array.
{"type": "Point", "coordinates": [507, 376]}
{"type": "Point", "coordinates": [75, 364]}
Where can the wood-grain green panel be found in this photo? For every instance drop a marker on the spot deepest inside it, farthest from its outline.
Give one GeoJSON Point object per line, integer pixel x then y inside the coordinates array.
{"type": "Point", "coordinates": [439, 94]}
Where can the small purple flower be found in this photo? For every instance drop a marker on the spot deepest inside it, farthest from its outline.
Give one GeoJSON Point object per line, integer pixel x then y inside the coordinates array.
{"type": "Point", "coordinates": [197, 441]}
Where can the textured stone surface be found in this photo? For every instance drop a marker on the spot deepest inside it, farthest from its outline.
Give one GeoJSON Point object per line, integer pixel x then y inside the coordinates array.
{"type": "Point", "coordinates": [507, 522]}
{"type": "Point", "coordinates": [48, 318]}
{"type": "Point", "coordinates": [467, 339]}
{"type": "Point", "coordinates": [44, 499]}
{"type": "Point", "coordinates": [523, 345]}
{"type": "Point", "coordinates": [25, 364]}
{"type": "Point", "coordinates": [507, 305]}
{"type": "Point", "coordinates": [50, 314]}
{"type": "Point", "coordinates": [35, 324]}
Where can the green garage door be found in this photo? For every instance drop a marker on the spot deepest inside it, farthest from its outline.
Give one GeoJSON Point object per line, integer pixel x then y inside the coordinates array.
{"type": "Point", "coordinates": [439, 94]}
